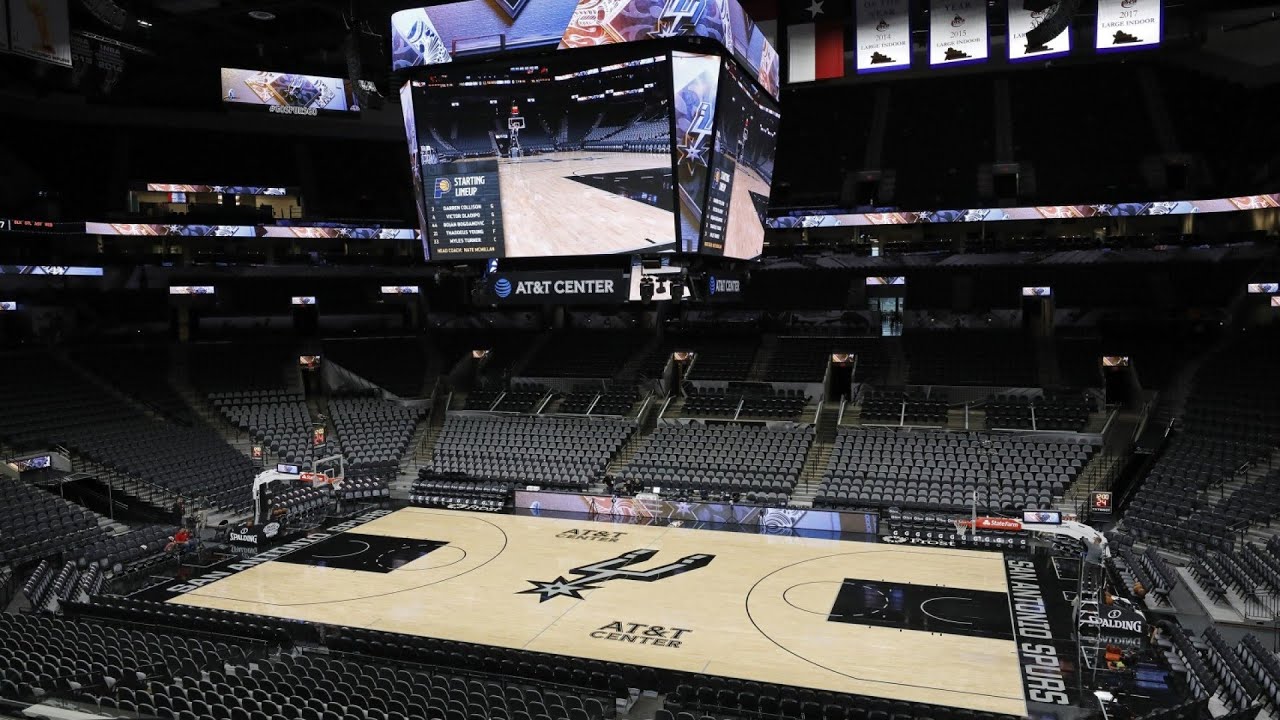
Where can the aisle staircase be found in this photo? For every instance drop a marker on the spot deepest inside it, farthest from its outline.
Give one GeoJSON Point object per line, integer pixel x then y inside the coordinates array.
{"type": "Point", "coordinates": [819, 456]}
{"type": "Point", "coordinates": [763, 356]}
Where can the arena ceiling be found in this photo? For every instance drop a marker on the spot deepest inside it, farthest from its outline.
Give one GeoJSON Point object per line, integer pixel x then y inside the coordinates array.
{"type": "Point", "coordinates": [312, 32]}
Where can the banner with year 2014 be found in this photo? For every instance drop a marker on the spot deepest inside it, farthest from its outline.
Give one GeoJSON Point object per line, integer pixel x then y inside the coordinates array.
{"type": "Point", "coordinates": [958, 32]}
{"type": "Point", "coordinates": [883, 36]}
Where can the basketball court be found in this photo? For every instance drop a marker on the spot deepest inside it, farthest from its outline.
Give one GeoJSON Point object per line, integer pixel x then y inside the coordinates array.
{"type": "Point", "coordinates": [586, 203]}
{"type": "Point", "coordinates": [913, 623]}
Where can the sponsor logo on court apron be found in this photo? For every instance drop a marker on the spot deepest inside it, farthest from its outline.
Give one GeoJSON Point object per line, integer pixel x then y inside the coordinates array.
{"type": "Point", "coordinates": [641, 634]}
{"type": "Point", "coordinates": [617, 568]}
{"type": "Point", "coordinates": [591, 535]}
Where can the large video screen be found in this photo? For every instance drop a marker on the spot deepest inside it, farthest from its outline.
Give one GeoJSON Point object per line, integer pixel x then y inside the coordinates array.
{"type": "Point", "coordinates": [287, 93]}
{"type": "Point", "coordinates": [444, 33]}
{"type": "Point", "coordinates": [742, 170]}
{"type": "Point", "coordinates": [567, 156]}
{"type": "Point", "coordinates": [696, 82]}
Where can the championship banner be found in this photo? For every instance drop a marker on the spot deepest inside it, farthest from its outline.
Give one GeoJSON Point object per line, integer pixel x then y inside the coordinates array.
{"type": "Point", "coordinates": [1020, 23]}
{"type": "Point", "coordinates": [40, 29]}
{"type": "Point", "coordinates": [1128, 24]}
{"type": "Point", "coordinates": [882, 36]}
{"type": "Point", "coordinates": [569, 287]}
{"type": "Point", "coordinates": [958, 32]}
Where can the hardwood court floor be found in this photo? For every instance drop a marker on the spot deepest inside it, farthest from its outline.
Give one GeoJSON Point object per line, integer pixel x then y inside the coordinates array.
{"type": "Point", "coordinates": [757, 607]}
{"type": "Point", "coordinates": [544, 212]}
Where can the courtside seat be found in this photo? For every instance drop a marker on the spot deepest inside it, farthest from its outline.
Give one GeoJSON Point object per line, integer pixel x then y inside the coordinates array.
{"type": "Point", "coordinates": [452, 491]}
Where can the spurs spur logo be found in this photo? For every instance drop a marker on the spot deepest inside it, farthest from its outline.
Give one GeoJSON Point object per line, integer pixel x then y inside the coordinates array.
{"type": "Point", "coordinates": [618, 568]}
{"type": "Point", "coordinates": [679, 17]}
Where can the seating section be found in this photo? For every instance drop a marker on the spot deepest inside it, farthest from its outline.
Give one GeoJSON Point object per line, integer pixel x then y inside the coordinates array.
{"type": "Point", "coordinates": [549, 451]}
{"type": "Point", "coordinates": [229, 367]}
{"type": "Point", "coordinates": [397, 365]}
{"type": "Point", "coordinates": [970, 357]}
{"type": "Point", "coordinates": [802, 359]}
{"type": "Point", "coordinates": [482, 398]}
{"type": "Point", "coordinates": [940, 470]}
{"type": "Point", "coordinates": [521, 398]}
{"type": "Point", "coordinates": [36, 524]}
{"type": "Point", "coordinates": [432, 489]}
{"type": "Point", "coordinates": [584, 353]}
{"type": "Point", "coordinates": [46, 405]}
{"type": "Point", "coordinates": [41, 655]}
{"type": "Point", "coordinates": [1020, 412]}
{"type": "Point", "coordinates": [374, 434]}
{"type": "Point", "coordinates": [754, 462]}
{"type": "Point", "coordinates": [1262, 665]}
{"type": "Point", "coordinates": [1231, 420]}
{"type": "Point", "coordinates": [1079, 362]}
{"type": "Point", "coordinates": [578, 402]}
{"type": "Point", "coordinates": [139, 373]}
{"type": "Point", "coordinates": [365, 488]}
{"type": "Point", "coordinates": [906, 407]}
{"type": "Point", "coordinates": [136, 547]}
{"type": "Point", "coordinates": [279, 419]}
{"type": "Point", "coordinates": [1147, 568]}
{"type": "Point", "coordinates": [615, 401]}
{"type": "Point", "coordinates": [306, 506]}
{"type": "Point", "coordinates": [744, 402]}
{"type": "Point", "coordinates": [719, 356]}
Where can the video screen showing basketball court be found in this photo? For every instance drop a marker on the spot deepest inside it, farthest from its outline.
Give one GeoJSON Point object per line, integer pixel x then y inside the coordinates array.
{"type": "Point", "coordinates": [746, 138]}
{"type": "Point", "coordinates": [914, 623]}
{"type": "Point", "coordinates": [580, 150]}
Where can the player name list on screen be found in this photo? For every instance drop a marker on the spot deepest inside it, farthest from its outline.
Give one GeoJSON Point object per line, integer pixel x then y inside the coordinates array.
{"type": "Point", "coordinates": [717, 218]}
{"type": "Point", "coordinates": [465, 208]}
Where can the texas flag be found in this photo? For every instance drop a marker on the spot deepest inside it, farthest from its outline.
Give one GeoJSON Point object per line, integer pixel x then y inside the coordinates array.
{"type": "Point", "coordinates": [816, 32]}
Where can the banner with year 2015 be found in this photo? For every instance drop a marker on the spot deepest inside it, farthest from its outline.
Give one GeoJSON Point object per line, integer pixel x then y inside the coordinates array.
{"type": "Point", "coordinates": [958, 32]}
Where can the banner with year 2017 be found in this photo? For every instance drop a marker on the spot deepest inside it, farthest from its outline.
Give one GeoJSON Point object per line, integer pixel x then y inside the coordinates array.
{"type": "Point", "coordinates": [1128, 24]}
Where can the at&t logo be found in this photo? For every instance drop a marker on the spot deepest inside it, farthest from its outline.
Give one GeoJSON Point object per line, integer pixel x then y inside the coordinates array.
{"type": "Point", "coordinates": [502, 288]}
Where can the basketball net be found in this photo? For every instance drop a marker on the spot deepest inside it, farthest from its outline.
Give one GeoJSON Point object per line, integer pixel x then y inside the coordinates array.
{"type": "Point", "coordinates": [961, 524]}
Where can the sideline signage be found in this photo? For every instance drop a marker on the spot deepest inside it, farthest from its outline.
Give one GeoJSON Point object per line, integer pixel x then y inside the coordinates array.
{"type": "Point", "coordinates": [567, 287]}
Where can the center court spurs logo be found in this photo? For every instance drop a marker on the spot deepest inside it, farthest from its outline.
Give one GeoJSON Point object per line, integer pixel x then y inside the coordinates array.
{"type": "Point", "coordinates": [613, 569]}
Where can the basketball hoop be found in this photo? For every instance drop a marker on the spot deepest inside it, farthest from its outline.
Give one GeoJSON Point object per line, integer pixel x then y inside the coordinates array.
{"type": "Point", "coordinates": [514, 125]}
{"type": "Point", "coordinates": [960, 525]}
